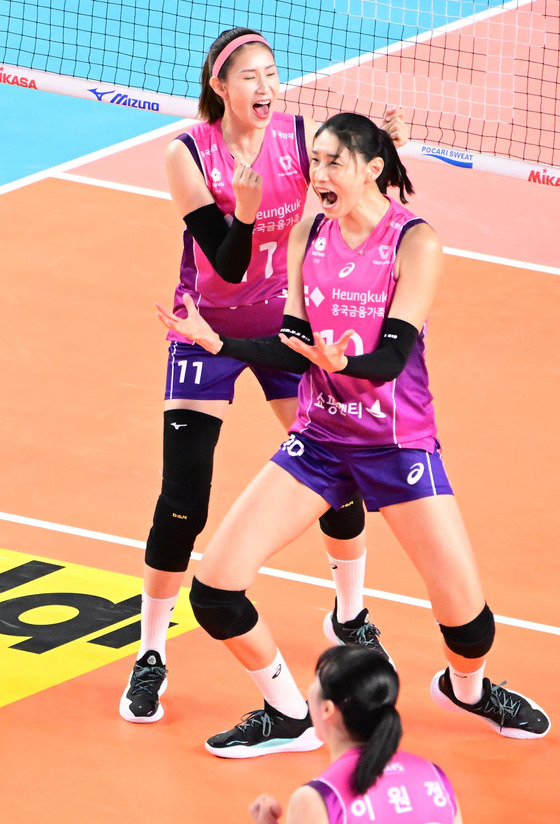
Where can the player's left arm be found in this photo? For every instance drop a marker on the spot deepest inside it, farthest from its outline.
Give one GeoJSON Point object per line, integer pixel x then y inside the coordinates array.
{"type": "Point", "coordinates": [418, 268]}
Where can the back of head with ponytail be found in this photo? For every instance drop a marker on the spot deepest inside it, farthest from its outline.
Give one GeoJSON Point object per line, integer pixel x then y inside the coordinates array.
{"type": "Point", "coordinates": [360, 135]}
{"type": "Point", "coordinates": [364, 687]}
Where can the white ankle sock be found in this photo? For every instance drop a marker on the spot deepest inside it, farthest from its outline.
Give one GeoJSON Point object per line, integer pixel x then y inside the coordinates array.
{"type": "Point", "coordinates": [348, 577]}
{"type": "Point", "coordinates": [279, 688]}
{"type": "Point", "coordinates": [156, 615]}
{"type": "Point", "coordinates": [467, 686]}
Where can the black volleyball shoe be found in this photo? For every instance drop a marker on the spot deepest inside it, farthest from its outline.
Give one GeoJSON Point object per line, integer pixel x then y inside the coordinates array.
{"type": "Point", "coordinates": [509, 713]}
{"type": "Point", "coordinates": [140, 702]}
{"type": "Point", "coordinates": [358, 632]}
{"type": "Point", "coordinates": [263, 732]}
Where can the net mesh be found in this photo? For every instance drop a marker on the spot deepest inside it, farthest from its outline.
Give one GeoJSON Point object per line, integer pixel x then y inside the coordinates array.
{"type": "Point", "coordinates": [478, 75]}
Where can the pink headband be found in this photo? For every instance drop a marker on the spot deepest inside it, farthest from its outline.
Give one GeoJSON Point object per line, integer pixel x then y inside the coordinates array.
{"type": "Point", "coordinates": [228, 50]}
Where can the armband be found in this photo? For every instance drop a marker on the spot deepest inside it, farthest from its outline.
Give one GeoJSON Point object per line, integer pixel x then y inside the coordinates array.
{"type": "Point", "coordinates": [227, 247]}
{"type": "Point", "coordinates": [389, 359]}
{"type": "Point", "coordinates": [271, 351]}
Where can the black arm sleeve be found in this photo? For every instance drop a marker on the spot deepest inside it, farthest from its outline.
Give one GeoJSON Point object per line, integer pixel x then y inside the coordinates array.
{"type": "Point", "coordinates": [389, 359]}
{"type": "Point", "coordinates": [228, 248]}
{"type": "Point", "coordinates": [271, 351]}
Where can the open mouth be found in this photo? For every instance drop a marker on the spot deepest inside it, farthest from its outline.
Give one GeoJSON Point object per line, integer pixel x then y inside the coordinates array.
{"type": "Point", "coordinates": [262, 108]}
{"type": "Point", "coordinates": [328, 198]}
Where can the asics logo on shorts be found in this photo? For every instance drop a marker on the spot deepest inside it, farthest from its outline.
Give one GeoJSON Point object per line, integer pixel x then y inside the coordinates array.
{"type": "Point", "coordinates": [293, 447]}
{"type": "Point", "coordinates": [416, 472]}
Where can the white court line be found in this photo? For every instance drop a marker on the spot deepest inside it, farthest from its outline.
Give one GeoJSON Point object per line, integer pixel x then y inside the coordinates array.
{"type": "Point", "coordinates": [516, 264]}
{"type": "Point", "coordinates": [110, 184]}
{"type": "Point", "coordinates": [273, 573]}
{"type": "Point", "coordinates": [124, 187]}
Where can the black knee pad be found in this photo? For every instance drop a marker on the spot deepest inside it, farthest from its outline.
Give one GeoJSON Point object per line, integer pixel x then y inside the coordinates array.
{"type": "Point", "coordinates": [472, 640]}
{"type": "Point", "coordinates": [345, 523]}
{"type": "Point", "coordinates": [189, 441]}
{"type": "Point", "coordinates": [223, 613]}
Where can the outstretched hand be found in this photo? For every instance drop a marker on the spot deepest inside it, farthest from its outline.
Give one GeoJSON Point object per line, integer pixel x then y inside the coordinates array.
{"type": "Point", "coordinates": [193, 327]}
{"type": "Point", "coordinates": [265, 810]}
{"type": "Point", "coordinates": [396, 128]}
{"type": "Point", "coordinates": [329, 356]}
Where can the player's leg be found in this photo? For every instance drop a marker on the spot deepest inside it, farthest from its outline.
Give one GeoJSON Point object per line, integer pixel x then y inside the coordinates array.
{"type": "Point", "coordinates": [432, 532]}
{"type": "Point", "coordinates": [190, 433]}
{"type": "Point", "coordinates": [343, 532]}
{"type": "Point", "coordinates": [274, 510]}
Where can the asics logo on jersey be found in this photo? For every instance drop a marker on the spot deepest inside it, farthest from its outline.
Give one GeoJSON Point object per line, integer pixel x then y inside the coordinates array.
{"type": "Point", "coordinates": [178, 425]}
{"type": "Point", "coordinates": [375, 410]}
{"type": "Point", "coordinates": [416, 472]}
{"type": "Point", "coordinates": [347, 270]}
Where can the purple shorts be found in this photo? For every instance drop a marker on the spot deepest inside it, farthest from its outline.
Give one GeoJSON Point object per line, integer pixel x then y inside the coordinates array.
{"type": "Point", "coordinates": [194, 374]}
{"type": "Point", "coordinates": [383, 475]}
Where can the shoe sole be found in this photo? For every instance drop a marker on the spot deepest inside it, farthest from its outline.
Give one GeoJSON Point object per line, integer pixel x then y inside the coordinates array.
{"type": "Point", "coordinates": [141, 719]}
{"type": "Point", "coordinates": [446, 703]}
{"type": "Point", "coordinates": [331, 636]}
{"type": "Point", "coordinates": [306, 742]}
{"type": "Point", "coordinates": [329, 632]}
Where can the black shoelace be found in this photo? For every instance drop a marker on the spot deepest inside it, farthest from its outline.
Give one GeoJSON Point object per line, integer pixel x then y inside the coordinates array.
{"type": "Point", "coordinates": [148, 679]}
{"type": "Point", "coordinates": [366, 635]}
{"type": "Point", "coordinates": [257, 717]}
{"type": "Point", "coordinates": [502, 703]}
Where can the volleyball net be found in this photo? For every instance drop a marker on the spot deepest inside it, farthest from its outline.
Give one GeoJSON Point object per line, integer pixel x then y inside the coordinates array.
{"type": "Point", "coordinates": [479, 80]}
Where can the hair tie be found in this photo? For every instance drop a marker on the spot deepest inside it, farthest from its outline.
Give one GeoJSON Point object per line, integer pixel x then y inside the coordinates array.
{"type": "Point", "coordinates": [228, 50]}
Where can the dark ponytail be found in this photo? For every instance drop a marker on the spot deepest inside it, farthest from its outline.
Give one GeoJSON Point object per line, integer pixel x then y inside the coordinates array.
{"type": "Point", "coordinates": [360, 136]}
{"type": "Point", "coordinates": [210, 104]}
{"type": "Point", "coordinates": [364, 687]}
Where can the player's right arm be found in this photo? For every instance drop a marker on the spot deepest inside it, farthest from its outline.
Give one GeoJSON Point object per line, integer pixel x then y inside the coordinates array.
{"type": "Point", "coordinates": [227, 246]}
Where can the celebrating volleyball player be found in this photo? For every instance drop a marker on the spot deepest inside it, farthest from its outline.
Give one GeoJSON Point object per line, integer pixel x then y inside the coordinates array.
{"type": "Point", "coordinates": [352, 706]}
{"type": "Point", "coordinates": [240, 180]}
{"type": "Point", "coordinates": [365, 422]}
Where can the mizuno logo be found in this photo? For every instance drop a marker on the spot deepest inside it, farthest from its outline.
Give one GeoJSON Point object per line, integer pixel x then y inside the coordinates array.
{"type": "Point", "coordinates": [100, 95]}
{"type": "Point", "coordinates": [178, 425]}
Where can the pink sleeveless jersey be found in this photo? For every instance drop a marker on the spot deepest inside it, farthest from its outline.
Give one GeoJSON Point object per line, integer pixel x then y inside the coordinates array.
{"type": "Point", "coordinates": [255, 306]}
{"type": "Point", "coordinates": [411, 789]}
{"type": "Point", "coordinates": [353, 289]}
